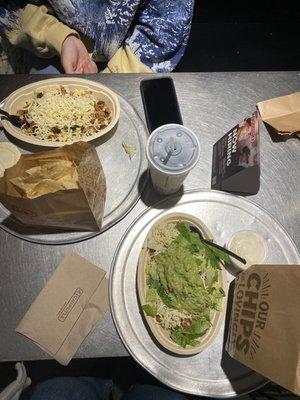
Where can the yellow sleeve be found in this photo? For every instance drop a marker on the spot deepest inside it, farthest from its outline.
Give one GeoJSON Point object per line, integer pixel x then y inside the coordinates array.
{"type": "Point", "coordinates": [39, 32]}
{"type": "Point", "coordinates": [125, 61]}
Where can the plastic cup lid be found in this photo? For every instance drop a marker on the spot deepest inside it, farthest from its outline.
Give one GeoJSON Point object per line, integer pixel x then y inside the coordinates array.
{"type": "Point", "coordinates": [173, 148]}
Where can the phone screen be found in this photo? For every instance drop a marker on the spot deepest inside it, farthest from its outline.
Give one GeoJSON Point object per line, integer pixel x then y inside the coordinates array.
{"type": "Point", "coordinates": [160, 102]}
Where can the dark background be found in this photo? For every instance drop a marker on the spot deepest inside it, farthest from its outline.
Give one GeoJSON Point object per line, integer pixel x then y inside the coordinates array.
{"type": "Point", "coordinates": [231, 35]}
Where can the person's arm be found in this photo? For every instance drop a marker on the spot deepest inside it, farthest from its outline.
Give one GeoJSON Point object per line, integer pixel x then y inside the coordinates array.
{"type": "Point", "coordinates": [34, 29]}
{"type": "Point", "coordinates": [158, 40]}
{"type": "Point", "coordinates": [125, 61]}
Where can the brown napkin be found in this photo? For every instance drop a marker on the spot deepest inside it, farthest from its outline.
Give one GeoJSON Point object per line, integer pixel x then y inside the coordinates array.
{"type": "Point", "coordinates": [63, 314]}
{"type": "Point", "coordinates": [282, 113]}
{"type": "Point", "coordinates": [264, 330]}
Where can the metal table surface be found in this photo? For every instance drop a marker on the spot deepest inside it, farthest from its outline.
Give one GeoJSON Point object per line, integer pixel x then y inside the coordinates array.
{"type": "Point", "coordinates": [211, 104]}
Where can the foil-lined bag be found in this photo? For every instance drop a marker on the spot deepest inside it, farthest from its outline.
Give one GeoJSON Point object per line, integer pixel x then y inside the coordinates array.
{"type": "Point", "coordinates": [63, 188]}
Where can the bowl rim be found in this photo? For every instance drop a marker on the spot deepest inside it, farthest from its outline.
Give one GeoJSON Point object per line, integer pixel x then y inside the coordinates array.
{"type": "Point", "coordinates": [156, 330]}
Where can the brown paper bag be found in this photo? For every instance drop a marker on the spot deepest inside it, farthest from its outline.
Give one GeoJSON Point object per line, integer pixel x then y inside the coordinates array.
{"type": "Point", "coordinates": [65, 311]}
{"type": "Point", "coordinates": [282, 113]}
{"type": "Point", "coordinates": [62, 188]}
{"type": "Point", "coordinates": [264, 330]}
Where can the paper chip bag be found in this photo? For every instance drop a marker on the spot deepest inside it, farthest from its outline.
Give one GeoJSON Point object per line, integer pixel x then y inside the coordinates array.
{"type": "Point", "coordinates": [264, 330]}
{"type": "Point", "coordinates": [63, 188]}
{"type": "Point", "coordinates": [282, 113]}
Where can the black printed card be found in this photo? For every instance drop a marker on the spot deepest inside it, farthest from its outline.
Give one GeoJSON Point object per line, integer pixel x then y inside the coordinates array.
{"type": "Point", "coordinates": [236, 159]}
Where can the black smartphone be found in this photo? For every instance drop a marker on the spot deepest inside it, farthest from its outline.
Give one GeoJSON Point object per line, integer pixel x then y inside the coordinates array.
{"type": "Point", "coordinates": [160, 102]}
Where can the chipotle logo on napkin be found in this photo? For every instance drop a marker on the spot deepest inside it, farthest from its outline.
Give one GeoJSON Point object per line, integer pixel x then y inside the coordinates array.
{"type": "Point", "coordinates": [264, 330]}
{"type": "Point", "coordinates": [67, 307]}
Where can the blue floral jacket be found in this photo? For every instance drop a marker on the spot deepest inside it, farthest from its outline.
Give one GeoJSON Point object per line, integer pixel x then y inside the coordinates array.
{"type": "Point", "coordinates": [156, 31]}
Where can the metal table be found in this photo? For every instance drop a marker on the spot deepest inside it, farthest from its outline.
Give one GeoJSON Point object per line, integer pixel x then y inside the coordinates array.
{"type": "Point", "coordinates": [211, 104]}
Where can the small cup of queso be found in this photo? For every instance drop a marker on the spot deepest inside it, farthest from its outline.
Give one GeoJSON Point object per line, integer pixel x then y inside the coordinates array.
{"type": "Point", "coordinates": [249, 245]}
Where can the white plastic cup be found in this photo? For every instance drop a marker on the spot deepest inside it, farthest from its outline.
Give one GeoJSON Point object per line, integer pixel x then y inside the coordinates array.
{"type": "Point", "coordinates": [172, 151]}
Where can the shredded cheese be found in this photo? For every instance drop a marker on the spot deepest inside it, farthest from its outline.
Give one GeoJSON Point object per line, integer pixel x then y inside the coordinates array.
{"type": "Point", "coordinates": [58, 114]}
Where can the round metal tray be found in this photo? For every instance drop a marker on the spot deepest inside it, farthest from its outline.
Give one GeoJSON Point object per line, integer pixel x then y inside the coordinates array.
{"type": "Point", "coordinates": [125, 179]}
{"type": "Point", "coordinates": [213, 372]}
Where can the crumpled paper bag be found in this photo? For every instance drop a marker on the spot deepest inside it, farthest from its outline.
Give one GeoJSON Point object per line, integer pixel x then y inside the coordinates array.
{"type": "Point", "coordinates": [62, 188]}
{"type": "Point", "coordinates": [282, 113]}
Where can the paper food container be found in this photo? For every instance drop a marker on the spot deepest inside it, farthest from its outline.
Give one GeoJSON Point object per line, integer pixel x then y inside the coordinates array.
{"type": "Point", "coordinates": [160, 334]}
{"type": "Point", "coordinates": [16, 100]}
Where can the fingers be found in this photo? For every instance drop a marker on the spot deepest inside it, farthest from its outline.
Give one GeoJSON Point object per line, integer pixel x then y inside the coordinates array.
{"type": "Point", "coordinates": [68, 67]}
{"type": "Point", "coordinates": [71, 69]}
{"type": "Point", "coordinates": [68, 64]}
{"type": "Point", "coordinates": [75, 58]}
{"type": "Point", "coordinates": [90, 67]}
{"type": "Point", "coordinates": [78, 70]}
{"type": "Point", "coordinates": [86, 66]}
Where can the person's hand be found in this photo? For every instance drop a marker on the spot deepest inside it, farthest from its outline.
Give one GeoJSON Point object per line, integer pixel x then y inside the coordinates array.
{"type": "Point", "coordinates": [74, 57]}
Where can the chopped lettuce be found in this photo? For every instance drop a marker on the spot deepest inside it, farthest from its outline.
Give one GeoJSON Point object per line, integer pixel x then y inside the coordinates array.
{"type": "Point", "coordinates": [164, 296]}
{"type": "Point", "coordinates": [149, 310]}
{"type": "Point", "coordinates": [151, 295]}
{"type": "Point", "coordinates": [192, 334]}
{"type": "Point", "coordinates": [215, 255]}
{"type": "Point", "coordinates": [130, 150]}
